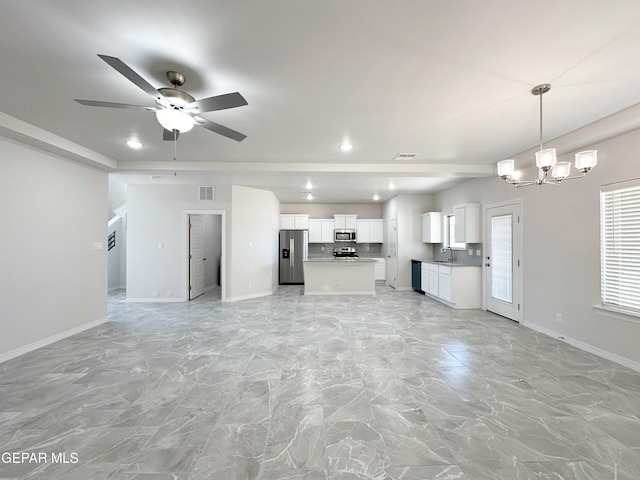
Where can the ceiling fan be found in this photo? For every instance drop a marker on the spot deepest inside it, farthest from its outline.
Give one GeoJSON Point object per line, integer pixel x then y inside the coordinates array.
{"type": "Point", "coordinates": [176, 110]}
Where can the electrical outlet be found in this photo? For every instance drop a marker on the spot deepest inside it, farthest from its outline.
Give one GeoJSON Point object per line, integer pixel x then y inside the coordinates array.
{"type": "Point", "coordinates": [471, 251]}
{"type": "Point", "coordinates": [478, 252]}
{"type": "Point", "coordinates": [250, 285]}
{"type": "Point", "coordinates": [559, 317]}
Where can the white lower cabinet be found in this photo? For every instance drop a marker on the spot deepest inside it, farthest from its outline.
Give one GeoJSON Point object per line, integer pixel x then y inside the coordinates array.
{"type": "Point", "coordinates": [381, 268]}
{"type": "Point", "coordinates": [433, 280]}
{"type": "Point", "coordinates": [457, 287]}
{"type": "Point", "coordinates": [444, 283]}
{"type": "Point", "coordinates": [424, 277]}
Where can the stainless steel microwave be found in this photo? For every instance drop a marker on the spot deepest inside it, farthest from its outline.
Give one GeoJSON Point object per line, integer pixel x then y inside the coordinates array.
{"type": "Point", "coordinates": [348, 235]}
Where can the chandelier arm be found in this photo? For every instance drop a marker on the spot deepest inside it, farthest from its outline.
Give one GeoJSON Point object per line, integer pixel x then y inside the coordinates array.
{"type": "Point", "coordinates": [524, 184]}
{"type": "Point", "coordinates": [573, 177]}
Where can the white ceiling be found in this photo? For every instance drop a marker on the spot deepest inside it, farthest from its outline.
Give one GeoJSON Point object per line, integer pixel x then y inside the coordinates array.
{"type": "Point", "coordinates": [447, 79]}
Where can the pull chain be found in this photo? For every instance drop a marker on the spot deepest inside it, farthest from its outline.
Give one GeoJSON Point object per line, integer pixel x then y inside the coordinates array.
{"type": "Point", "coordinates": [175, 152]}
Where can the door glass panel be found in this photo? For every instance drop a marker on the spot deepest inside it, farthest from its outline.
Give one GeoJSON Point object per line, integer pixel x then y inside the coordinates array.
{"type": "Point", "coordinates": [501, 257]}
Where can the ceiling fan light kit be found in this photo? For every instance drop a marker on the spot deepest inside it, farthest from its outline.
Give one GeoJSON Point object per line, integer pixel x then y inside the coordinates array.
{"type": "Point", "coordinates": [175, 109]}
{"type": "Point", "coordinates": [174, 119]}
{"type": "Point", "coordinates": [546, 160]}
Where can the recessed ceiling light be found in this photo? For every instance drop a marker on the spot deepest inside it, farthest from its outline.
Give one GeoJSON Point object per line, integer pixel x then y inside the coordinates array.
{"type": "Point", "coordinates": [309, 197]}
{"type": "Point", "coordinates": [345, 147]}
{"type": "Point", "coordinates": [376, 197]}
{"type": "Point", "coordinates": [391, 186]}
{"type": "Point", "coordinates": [135, 144]}
{"type": "Point", "coordinates": [309, 186]}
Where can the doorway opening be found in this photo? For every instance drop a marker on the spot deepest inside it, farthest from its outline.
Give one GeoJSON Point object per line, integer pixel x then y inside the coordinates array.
{"type": "Point", "coordinates": [204, 255]}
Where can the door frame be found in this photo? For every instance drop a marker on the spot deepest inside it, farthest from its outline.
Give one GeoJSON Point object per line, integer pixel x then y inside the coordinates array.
{"type": "Point", "coordinates": [185, 250]}
{"type": "Point", "coordinates": [392, 283]}
{"type": "Point", "coordinates": [518, 251]}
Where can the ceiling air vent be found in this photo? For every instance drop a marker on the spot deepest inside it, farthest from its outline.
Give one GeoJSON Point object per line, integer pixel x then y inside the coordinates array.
{"type": "Point", "coordinates": [401, 157]}
{"type": "Point", "coordinates": [206, 193]}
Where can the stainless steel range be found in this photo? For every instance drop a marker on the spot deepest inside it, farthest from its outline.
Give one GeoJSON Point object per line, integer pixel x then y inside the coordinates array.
{"type": "Point", "coordinates": [345, 252]}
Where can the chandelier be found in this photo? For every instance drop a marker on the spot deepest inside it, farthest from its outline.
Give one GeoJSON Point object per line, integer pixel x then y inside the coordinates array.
{"type": "Point", "coordinates": [550, 171]}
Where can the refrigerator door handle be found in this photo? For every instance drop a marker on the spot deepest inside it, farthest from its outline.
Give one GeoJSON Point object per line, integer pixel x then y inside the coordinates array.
{"type": "Point", "coordinates": [292, 255]}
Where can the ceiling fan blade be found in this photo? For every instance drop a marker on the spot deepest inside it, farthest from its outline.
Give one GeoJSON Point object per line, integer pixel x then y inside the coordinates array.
{"type": "Point", "coordinates": [220, 129]}
{"type": "Point", "coordinates": [131, 75]}
{"type": "Point", "coordinates": [219, 102]}
{"type": "Point", "coordinates": [168, 135]}
{"type": "Point", "coordinates": [95, 103]}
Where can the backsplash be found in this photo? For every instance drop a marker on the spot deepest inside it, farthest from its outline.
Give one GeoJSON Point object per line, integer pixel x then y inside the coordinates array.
{"type": "Point", "coordinates": [461, 256]}
{"type": "Point", "coordinates": [318, 250]}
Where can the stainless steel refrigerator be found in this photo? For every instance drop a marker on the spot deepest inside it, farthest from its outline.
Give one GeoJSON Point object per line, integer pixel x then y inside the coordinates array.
{"type": "Point", "coordinates": [294, 249]}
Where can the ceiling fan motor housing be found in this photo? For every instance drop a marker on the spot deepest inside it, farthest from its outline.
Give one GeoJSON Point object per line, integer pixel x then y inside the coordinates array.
{"type": "Point", "coordinates": [177, 98]}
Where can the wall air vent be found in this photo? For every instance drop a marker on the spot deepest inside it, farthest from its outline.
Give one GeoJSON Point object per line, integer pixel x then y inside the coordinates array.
{"type": "Point", "coordinates": [206, 193]}
{"type": "Point", "coordinates": [401, 157]}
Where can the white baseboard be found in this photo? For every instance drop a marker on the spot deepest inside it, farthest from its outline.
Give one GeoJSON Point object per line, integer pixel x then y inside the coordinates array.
{"type": "Point", "coordinates": [155, 300]}
{"type": "Point", "coordinates": [584, 346]}
{"type": "Point", "coordinates": [327, 293]}
{"type": "Point", "coordinates": [49, 340]}
{"type": "Point", "coordinates": [250, 296]}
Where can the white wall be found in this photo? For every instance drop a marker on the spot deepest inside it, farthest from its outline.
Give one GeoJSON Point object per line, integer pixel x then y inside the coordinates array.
{"type": "Point", "coordinates": [156, 240]}
{"type": "Point", "coordinates": [561, 258]}
{"type": "Point", "coordinates": [52, 281]}
{"type": "Point", "coordinates": [117, 195]}
{"type": "Point", "coordinates": [326, 210]}
{"type": "Point", "coordinates": [254, 250]}
{"type": "Point", "coordinates": [156, 237]}
{"type": "Point", "coordinates": [408, 210]}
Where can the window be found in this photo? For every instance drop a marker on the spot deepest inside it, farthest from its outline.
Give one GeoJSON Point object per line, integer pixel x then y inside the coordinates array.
{"type": "Point", "coordinates": [620, 246]}
{"type": "Point", "coordinates": [450, 234]}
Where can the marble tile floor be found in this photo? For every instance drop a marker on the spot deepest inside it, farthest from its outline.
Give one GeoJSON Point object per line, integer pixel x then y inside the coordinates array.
{"type": "Point", "coordinates": [285, 387]}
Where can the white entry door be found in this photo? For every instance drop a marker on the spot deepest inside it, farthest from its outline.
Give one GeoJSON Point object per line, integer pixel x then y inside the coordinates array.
{"type": "Point", "coordinates": [196, 256]}
{"type": "Point", "coordinates": [502, 260]}
{"type": "Point", "coordinates": [392, 253]}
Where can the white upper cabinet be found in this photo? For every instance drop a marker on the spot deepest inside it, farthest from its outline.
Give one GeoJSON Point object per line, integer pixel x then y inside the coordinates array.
{"type": "Point", "coordinates": [467, 218]}
{"type": "Point", "coordinates": [320, 230]}
{"type": "Point", "coordinates": [294, 221]}
{"type": "Point", "coordinates": [432, 227]}
{"type": "Point", "coordinates": [315, 230]}
{"type": "Point", "coordinates": [369, 230]}
{"type": "Point", "coordinates": [376, 230]}
{"type": "Point", "coordinates": [362, 231]}
{"type": "Point", "coordinates": [345, 221]}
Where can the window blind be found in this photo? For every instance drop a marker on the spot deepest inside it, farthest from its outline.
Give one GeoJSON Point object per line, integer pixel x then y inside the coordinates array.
{"type": "Point", "coordinates": [620, 246]}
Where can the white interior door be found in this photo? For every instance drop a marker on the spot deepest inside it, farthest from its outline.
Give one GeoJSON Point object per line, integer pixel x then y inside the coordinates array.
{"type": "Point", "coordinates": [196, 256]}
{"type": "Point", "coordinates": [392, 253]}
{"type": "Point", "coordinates": [503, 260]}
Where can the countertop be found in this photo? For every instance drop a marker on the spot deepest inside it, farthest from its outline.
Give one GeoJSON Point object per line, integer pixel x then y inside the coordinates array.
{"type": "Point", "coordinates": [447, 264]}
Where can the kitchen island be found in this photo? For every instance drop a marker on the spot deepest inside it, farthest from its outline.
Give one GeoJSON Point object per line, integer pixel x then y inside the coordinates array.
{"type": "Point", "coordinates": [339, 276]}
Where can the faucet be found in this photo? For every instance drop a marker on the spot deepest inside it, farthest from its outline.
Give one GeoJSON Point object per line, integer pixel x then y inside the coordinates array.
{"type": "Point", "coordinates": [452, 257]}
